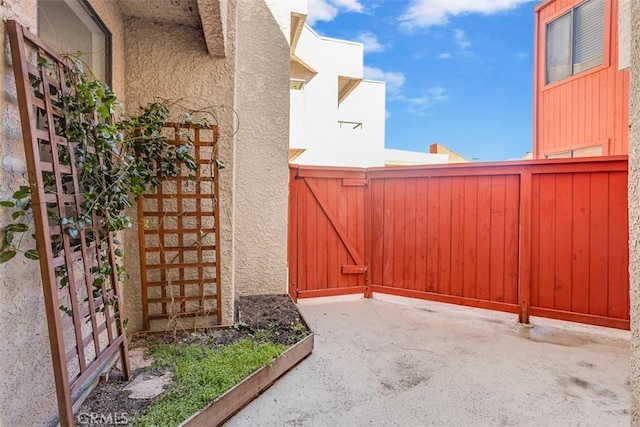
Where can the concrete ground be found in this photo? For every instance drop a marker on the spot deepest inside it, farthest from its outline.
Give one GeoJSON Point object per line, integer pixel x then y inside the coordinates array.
{"type": "Point", "coordinates": [398, 362]}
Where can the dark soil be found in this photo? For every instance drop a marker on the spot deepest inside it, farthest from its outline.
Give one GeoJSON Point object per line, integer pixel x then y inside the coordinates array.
{"type": "Point", "coordinates": [263, 318]}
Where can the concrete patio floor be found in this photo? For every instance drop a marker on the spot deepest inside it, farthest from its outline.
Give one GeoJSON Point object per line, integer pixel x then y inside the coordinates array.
{"type": "Point", "coordinates": [395, 361]}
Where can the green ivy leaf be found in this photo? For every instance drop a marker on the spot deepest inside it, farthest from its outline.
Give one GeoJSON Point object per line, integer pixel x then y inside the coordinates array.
{"type": "Point", "coordinates": [17, 214]}
{"type": "Point", "coordinates": [97, 282]}
{"type": "Point", "coordinates": [21, 194]}
{"type": "Point", "coordinates": [7, 204]}
{"type": "Point", "coordinates": [66, 310]}
{"type": "Point", "coordinates": [7, 255]}
{"type": "Point", "coordinates": [32, 254]}
{"type": "Point", "coordinates": [17, 228]}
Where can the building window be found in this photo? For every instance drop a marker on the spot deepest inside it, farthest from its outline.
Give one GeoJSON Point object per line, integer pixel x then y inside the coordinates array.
{"type": "Point", "coordinates": [575, 41]}
{"type": "Point", "coordinates": [71, 26]}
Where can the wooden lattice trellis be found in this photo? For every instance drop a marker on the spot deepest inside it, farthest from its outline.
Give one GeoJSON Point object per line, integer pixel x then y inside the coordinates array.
{"type": "Point", "coordinates": [82, 313]}
{"type": "Point", "coordinates": [179, 234]}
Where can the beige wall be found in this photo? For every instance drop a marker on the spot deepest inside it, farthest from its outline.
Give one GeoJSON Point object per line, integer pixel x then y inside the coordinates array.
{"type": "Point", "coordinates": [262, 102]}
{"type": "Point", "coordinates": [171, 61]}
{"type": "Point", "coordinates": [27, 393]}
{"type": "Point", "coordinates": [24, 354]}
{"type": "Point", "coordinates": [634, 212]}
{"type": "Point", "coordinates": [250, 89]}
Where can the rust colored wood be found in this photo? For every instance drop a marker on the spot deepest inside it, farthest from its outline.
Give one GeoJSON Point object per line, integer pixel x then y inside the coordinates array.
{"type": "Point", "coordinates": [449, 299]}
{"type": "Point", "coordinates": [608, 322]}
{"type": "Point", "coordinates": [328, 234]}
{"type": "Point", "coordinates": [524, 272]}
{"type": "Point", "coordinates": [354, 269]}
{"type": "Point", "coordinates": [225, 406]}
{"type": "Point", "coordinates": [367, 238]}
{"type": "Point", "coordinates": [587, 109]}
{"type": "Point", "coordinates": [545, 236]}
{"type": "Point", "coordinates": [180, 250]}
{"type": "Point", "coordinates": [331, 292]}
{"type": "Point", "coordinates": [338, 227]}
{"type": "Point", "coordinates": [580, 260]}
{"type": "Point", "coordinates": [78, 348]}
{"type": "Point", "coordinates": [292, 253]}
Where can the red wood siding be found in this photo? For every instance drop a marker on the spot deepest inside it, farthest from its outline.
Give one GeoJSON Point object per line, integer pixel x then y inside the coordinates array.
{"type": "Point", "coordinates": [452, 236]}
{"type": "Point", "coordinates": [579, 224]}
{"type": "Point", "coordinates": [547, 238]}
{"type": "Point", "coordinates": [590, 108]}
{"type": "Point", "coordinates": [327, 211]}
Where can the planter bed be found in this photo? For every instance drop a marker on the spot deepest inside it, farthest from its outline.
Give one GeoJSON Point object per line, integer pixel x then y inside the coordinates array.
{"type": "Point", "coordinates": [207, 375]}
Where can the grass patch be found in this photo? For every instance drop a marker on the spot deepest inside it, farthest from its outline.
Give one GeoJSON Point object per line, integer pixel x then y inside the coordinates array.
{"type": "Point", "coordinates": [202, 374]}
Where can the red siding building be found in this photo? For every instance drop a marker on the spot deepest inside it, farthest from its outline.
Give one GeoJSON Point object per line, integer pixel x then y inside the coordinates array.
{"type": "Point", "coordinates": [580, 95]}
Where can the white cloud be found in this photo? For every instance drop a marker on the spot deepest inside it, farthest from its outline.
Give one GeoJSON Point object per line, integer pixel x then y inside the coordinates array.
{"type": "Point", "coordinates": [395, 80]}
{"type": "Point", "coordinates": [395, 84]}
{"type": "Point", "coordinates": [445, 55]}
{"type": "Point", "coordinates": [437, 93]}
{"type": "Point", "coordinates": [327, 10]}
{"type": "Point", "coordinates": [370, 42]}
{"type": "Point", "coordinates": [350, 5]}
{"type": "Point", "coordinates": [420, 104]}
{"type": "Point", "coordinates": [460, 38]}
{"type": "Point", "coordinates": [427, 13]}
{"type": "Point", "coordinates": [521, 56]}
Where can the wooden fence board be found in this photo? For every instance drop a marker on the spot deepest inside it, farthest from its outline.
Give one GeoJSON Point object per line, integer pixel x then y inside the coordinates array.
{"type": "Point", "coordinates": [542, 237]}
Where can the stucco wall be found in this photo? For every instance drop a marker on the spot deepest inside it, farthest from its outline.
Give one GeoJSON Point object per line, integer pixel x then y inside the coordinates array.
{"type": "Point", "coordinates": [249, 93]}
{"type": "Point", "coordinates": [27, 392]}
{"type": "Point", "coordinates": [170, 61]}
{"type": "Point", "coordinates": [262, 102]}
{"type": "Point", "coordinates": [634, 212]}
{"type": "Point", "coordinates": [24, 354]}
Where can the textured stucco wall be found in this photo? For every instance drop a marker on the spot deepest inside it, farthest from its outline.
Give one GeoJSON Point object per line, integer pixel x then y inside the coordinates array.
{"type": "Point", "coordinates": [250, 87]}
{"type": "Point", "coordinates": [262, 102]}
{"type": "Point", "coordinates": [27, 392]}
{"type": "Point", "coordinates": [109, 13]}
{"type": "Point", "coordinates": [634, 212]}
{"type": "Point", "coordinates": [24, 354]}
{"type": "Point", "coordinates": [171, 61]}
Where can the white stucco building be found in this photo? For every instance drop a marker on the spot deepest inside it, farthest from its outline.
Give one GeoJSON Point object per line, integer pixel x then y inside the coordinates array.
{"type": "Point", "coordinates": [337, 116]}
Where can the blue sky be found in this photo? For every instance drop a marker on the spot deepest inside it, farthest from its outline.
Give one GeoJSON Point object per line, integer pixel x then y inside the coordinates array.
{"type": "Point", "coordinates": [458, 72]}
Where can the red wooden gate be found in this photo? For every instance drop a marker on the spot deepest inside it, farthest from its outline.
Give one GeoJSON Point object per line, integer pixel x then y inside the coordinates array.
{"type": "Point", "coordinates": [546, 238]}
{"type": "Point", "coordinates": [326, 232]}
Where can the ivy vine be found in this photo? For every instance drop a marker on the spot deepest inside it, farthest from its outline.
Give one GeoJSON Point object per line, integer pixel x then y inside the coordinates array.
{"type": "Point", "coordinates": [117, 157]}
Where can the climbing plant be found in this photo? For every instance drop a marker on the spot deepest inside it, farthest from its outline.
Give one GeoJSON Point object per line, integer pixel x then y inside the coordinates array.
{"type": "Point", "coordinates": [118, 157]}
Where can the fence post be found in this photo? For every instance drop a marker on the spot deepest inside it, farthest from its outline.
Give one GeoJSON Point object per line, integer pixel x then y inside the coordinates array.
{"type": "Point", "coordinates": [524, 259]}
{"type": "Point", "coordinates": [292, 247]}
{"type": "Point", "coordinates": [367, 235]}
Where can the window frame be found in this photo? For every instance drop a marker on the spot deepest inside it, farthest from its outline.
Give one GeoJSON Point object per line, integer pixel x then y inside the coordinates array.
{"type": "Point", "coordinates": [606, 52]}
{"type": "Point", "coordinates": [108, 45]}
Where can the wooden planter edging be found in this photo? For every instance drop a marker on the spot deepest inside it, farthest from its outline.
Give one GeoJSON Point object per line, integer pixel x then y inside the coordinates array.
{"type": "Point", "coordinates": [229, 403]}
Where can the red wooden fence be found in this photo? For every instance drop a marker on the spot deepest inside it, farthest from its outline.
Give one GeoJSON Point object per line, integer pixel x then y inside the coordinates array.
{"type": "Point", "coordinates": [545, 238]}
